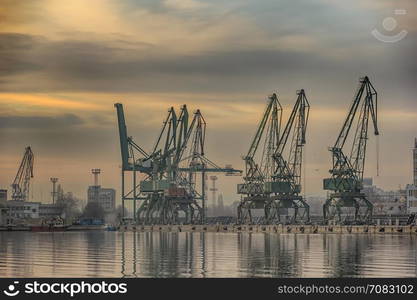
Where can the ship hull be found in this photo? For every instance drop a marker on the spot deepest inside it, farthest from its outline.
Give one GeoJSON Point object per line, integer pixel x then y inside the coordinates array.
{"type": "Point", "coordinates": [48, 228]}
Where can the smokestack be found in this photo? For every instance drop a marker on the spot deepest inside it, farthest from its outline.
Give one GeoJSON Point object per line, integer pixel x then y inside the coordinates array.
{"type": "Point", "coordinates": [213, 189]}
{"type": "Point", "coordinates": [54, 181]}
{"type": "Point", "coordinates": [96, 186]}
{"type": "Point", "coordinates": [95, 172]}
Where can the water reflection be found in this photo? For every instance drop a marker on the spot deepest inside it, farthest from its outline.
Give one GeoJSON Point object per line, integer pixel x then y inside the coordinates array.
{"type": "Point", "coordinates": [163, 254]}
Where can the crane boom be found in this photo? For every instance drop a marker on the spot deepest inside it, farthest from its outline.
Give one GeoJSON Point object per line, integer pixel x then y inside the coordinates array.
{"type": "Point", "coordinates": [127, 146]}
{"type": "Point", "coordinates": [347, 171]}
{"type": "Point", "coordinates": [290, 170]}
{"type": "Point", "coordinates": [299, 138]}
{"type": "Point", "coordinates": [275, 107]}
{"type": "Point", "coordinates": [269, 128]}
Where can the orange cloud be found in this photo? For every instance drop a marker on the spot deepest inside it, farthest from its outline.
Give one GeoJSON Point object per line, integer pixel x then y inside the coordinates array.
{"type": "Point", "coordinates": [27, 101]}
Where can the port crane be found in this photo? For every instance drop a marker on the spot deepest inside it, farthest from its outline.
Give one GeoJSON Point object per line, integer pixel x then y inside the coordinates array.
{"type": "Point", "coordinates": [286, 184]}
{"type": "Point", "coordinates": [346, 180]}
{"type": "Point", "coordinates": [260, 166]}
{"type": "Point", "coordinates": [21, 183]}
{"type": "Point", "coordinates": [167, 188]}
{"type": "Point", "coordinates": [169, 191]}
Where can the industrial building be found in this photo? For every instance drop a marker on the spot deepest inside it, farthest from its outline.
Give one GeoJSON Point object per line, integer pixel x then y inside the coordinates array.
{"type": "Point", "coordinates": [411, 189]}
{"type": "Point", "coordinates": [385, 202]}
{"type": "Point", "coordinates": [50, 210]}
{"type": "Point", "coordinates": [411, 198]}
{"type": "Point", "coordinates": [23, 209]}
{"type": "Point", "coordinates": [18, 212]}
{"type": "Point", "coordinates": [415, 162]}
{"type": "Point", "coordinates": [105, 197]}
{"type": "Point", "coordinates": [3, 196]}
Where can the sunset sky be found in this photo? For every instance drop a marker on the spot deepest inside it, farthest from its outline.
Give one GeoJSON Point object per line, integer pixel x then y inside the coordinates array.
{"type": "Point", "coordinates": [63, 64]}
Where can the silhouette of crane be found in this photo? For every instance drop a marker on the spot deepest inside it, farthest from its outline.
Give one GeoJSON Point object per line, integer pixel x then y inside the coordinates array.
{"type": "Point", "coordinates": [21, 183]}
{"type": "Point", "coordinates": [346, 180]}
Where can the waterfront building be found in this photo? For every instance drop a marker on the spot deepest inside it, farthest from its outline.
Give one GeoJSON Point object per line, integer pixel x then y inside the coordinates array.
{"type": "Point", "coordinates": [3, 196]}
{"type": "Point", "coordinates": [50, 210]}
{"type": "Point", "coordinates": [386, 202]}
{"type": "Point", "coordinates": [16, 212]}
{"type": "Point", "coordinates": [105, 197]}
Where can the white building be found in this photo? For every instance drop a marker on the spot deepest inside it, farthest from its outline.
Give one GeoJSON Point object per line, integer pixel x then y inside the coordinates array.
{"type": "Point", "coordinates": [50, 210]}
{"type": "Point", "coordinates": [105, 197]}
{"type": "Point", "coordinates": [20, 212]}
{"type": "Point", "coordinates": [16, 212]}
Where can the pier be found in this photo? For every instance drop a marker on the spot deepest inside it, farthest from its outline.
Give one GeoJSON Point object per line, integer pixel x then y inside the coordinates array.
{"type": "Point", "coordinates": [296, 229]}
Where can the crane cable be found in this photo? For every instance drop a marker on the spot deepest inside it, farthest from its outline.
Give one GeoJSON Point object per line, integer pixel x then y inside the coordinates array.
{"type": "Point", "coordinates": [377, 155]}
{"type": "Point", "coordinates": [378, 107]}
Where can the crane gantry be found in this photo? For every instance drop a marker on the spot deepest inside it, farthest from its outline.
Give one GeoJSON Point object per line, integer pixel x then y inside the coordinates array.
{"type": "Point", "coordinates": [169, 192]}
{"type": "Point", "coordinates": [346, 180]}
{"type": "Point", "coordinates": [21, 183]}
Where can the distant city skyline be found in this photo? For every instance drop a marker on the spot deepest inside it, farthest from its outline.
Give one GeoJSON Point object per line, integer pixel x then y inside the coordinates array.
{"type": "Point", "coordinates": [64, 65]}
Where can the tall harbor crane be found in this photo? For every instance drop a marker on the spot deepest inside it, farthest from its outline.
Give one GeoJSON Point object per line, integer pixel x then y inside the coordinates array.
{"type": "Point", "coordinates": [169, 191]}
{"type": "Point", "coordinates": [346, 180]}
{"type": "Point", "coordinates": [286, 183]}
{"type": "Point", "coordinates": [21, 183]}
{"type": "Point", "coordinates": [260, 166]}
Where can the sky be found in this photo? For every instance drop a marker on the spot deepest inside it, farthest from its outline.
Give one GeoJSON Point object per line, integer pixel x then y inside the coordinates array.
{"type": "Point", "coordinates": [63, 64]}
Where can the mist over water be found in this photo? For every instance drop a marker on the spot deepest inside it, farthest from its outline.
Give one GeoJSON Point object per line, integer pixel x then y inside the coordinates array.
{"type": "Point", "coordinates": [154, 254]}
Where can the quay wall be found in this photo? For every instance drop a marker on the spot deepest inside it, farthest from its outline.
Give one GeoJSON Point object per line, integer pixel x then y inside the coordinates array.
{"type": "Point", "coordinates": [297, 229]}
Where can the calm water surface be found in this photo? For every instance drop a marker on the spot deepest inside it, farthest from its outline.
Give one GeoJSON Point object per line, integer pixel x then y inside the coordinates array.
{"type": "Point", "coordinates": [115, 254]}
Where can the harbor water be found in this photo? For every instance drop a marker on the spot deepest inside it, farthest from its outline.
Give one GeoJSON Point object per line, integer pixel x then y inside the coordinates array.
{"type": "Point", "coordinates": [205, 254]}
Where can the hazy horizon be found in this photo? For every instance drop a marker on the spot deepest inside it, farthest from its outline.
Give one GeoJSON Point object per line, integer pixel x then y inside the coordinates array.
{"type": "Point", "coordinates": [64, 64]}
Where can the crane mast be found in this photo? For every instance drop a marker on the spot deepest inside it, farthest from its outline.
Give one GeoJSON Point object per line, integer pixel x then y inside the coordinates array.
{"type": "Point", "coordinates": [21, 183]}
{"type": "Point", "coordinates": [346, 179]}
